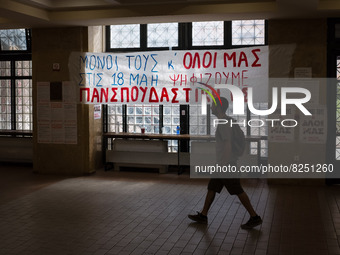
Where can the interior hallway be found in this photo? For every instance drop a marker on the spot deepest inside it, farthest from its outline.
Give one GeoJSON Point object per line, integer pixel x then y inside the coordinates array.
{"type": "Point", "coordinates": [146, 213]}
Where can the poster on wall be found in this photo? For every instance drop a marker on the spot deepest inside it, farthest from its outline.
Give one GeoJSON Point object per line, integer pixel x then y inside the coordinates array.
{"type": "Point", "coordinates": [56, 113]}
{"type": "Point", "coordinates": [280, 129]}
{"type": "Point", "coordinates": [167, 77]}
{"type": "Point", "coordinates": [57, 122]}
{"type": "Point", "coordinates": [313, 129]}
{"type": "Point", "coordinates": [97, 112]}
{"type": "Point", "coordinates": [44, 111]}
{"type": "Point", "coordinates": [43, 92]}
{"type": "Point", "coordinates": [303, 72]}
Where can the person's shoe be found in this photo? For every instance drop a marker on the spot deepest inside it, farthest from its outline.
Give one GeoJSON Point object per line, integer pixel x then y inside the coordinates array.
{"type": "Point", "coordinates": [199, 217]}
{"type": "Point", "coordinates": [252, 222]}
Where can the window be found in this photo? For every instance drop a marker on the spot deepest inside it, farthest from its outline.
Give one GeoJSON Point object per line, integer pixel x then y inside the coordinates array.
{"type": "Point", "coordinates": [16, 95]}
{"type": "Point", "coordinates": [143, 116]}
{"type": "Point", "coordinates": [171, 120]}
{"type": "Point", "coordinates": [141, 37]}
{"type": "Point", "coordinates": [259, 131]}
{"type": "Point", "coordinates": [228, 34]}
{"type": "Point", "coordinates": [115, 118]}
{"type": "Point", "coordinates": [6, 106]}
{"type": "Point", "coordinates": [248, 32]}
{"type": "Point", "coordinates": [225, 34]}
{"type": "Point", "coordinates": [162, 35]}
{"type": "Point", "coordinates": [16, 107]}
{"type": "Point", "coordinates": [13, 40]}
{"type": "Point", "coordinates": [198, 122]}
{"type": "Point", "coordinates": [208, 33]}
{"type": "Point", "coordinates": [182, 36]}
{"type": "Point", "coordinates": [125, 36]}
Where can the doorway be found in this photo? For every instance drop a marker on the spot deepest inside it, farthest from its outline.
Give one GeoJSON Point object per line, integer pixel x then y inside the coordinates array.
{"type": "Point", "coordinates": [333, 97]}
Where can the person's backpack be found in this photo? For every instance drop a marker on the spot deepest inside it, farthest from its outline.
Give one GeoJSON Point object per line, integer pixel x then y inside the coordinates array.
{"type": "Point", "coordinates": [238, 142]}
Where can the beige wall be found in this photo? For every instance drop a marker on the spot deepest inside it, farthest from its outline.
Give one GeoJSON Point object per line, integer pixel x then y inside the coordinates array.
{"type": "Point", "coordinates": [54, 45]}
{"type": "Point", "coordinates": [309, 38]}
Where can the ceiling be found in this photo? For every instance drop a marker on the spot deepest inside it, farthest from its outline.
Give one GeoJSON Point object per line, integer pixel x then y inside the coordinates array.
{"type": "Point", "coordinates": [49, 13]}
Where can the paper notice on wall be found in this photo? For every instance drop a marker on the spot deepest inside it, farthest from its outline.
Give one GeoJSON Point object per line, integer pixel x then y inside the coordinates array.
{"type": "Point", "coordinates": [313, 129]}
{"type": "Point", "coordinates": [43, 111]}
{"type": "Point", "coordinates": [281, 129]}
{"type": "Point", "coordinates": [57, 112]}
{"type": "Point", "coordinates": [57, 132]}
{"type": "Point", "coordinates": [57, 125]}
{"type": "Point", "coordinates": [303, 72]}
{"type": "Point", "coordinates": [57, 120]}
{"type": "Point", "coordinates": [43, 92]}
{"type": "Point", "coordinates": [97, 111]}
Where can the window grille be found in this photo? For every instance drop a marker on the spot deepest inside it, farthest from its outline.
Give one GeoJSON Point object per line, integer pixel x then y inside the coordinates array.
{"type": "Point", "coordinates": [248, 32]}
{"type": "Point", "coordinates": [5, 104]}
{"type": "Point", "coordinates": [198, 122]}
{"type": "Point", "coordinates": [337, 147]}
{"type": "Point", "coordinates": [143, 116]}
{"type": "Point", "coordinates": [162, 35]}
{"type": "Point", "coordinates": [170, 122]}
{"type": "Point", "coordinates": [115, 118]}
{"type": "Point", "coordinates": [208, 33]}
{"type": "Point", "coordinates": [125, 36]}
{"type": "Point", "coordinates": [13, 40]}
{"type": "Point", "coordinates": [16, 95]}
{"type": "Point", "coordinates": [259, 131]}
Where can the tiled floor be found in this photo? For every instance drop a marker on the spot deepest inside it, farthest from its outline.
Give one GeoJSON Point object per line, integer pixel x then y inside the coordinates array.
{"type": "Point", "coordinates": [146, 213]}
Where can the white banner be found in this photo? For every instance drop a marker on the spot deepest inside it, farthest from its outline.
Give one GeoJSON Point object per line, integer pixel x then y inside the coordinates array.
{"type": "Point", "coordinates": [161, 77]}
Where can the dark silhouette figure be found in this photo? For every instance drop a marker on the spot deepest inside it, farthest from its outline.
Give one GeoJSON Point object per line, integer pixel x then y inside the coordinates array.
{"type": "Point", "coordinates": [225, 156]}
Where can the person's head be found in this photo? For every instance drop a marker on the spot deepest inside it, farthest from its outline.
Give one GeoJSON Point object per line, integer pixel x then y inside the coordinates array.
{"type": "Point", "coordinates": [220, 107]}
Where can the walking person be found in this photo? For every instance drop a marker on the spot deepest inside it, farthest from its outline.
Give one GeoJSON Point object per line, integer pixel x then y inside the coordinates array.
{"type": "Point", "coordinates": [225, 156]}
